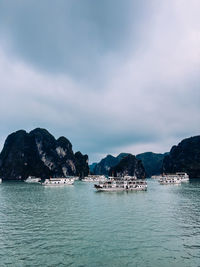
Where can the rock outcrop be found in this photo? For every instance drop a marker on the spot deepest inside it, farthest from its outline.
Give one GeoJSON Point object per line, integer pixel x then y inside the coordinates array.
{"type": "Point", "coordinates": [185, 157]}
{"type": "Point", "coordinates": [38, 153]}
{"type": "Point", "coordinates": [81, 161]}
{"type": "Point", "coordinates": [129, 165]}
{"type": "Point", "coordinates": [103, 167]}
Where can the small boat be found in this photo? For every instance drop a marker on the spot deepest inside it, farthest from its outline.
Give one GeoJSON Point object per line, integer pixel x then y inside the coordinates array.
{"type": "Point", "coordinates": [128, 177]}
{"type": "Point", "coordinates": [156, 177]}
{"type": "Point", "coordinates": [0, 180]}
{"type": "Point", "coordinates": [121, 184]}
{"type": "Point", "coordinates": [32, 179]}
{"type": "Point", "coordinates": [175, 178]}
{"type": "Point", "coordinates": [58, 181]}
{"type": "Point", "coordinates": [94, 178]}
{"type": "Point", "coordinates": [75, 178]}
{"type": "Point", "coordinates": [87, 179]}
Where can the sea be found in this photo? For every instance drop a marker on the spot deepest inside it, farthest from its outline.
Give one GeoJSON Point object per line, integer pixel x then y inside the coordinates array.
{"type": "Point", "coordinates": [77, 226]}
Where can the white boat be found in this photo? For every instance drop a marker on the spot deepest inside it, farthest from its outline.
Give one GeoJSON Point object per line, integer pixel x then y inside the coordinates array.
{"type": "Point", "coordinates": [75, 178]}
{"type": "Point", "coordinates": [32, 179]}
{"type": "Point", "coordinates": [170, 179]}
{"type": "Point", "coordinates": [58, 181]}
{"type": "Point", "coordinates": [87, 179]}
{"type": "Point", "coordinates": [128, 177]}
{"type": "Point", "coordinates": [175, 178]}
{"type": "Point", "coordinates": [94, 178]}
{"type": "Point", "coordinates": [156, 177]}
{"type": "Point", "coordinates": [0, 180]}
{"type": "Point", "coordinates": [116, 184]}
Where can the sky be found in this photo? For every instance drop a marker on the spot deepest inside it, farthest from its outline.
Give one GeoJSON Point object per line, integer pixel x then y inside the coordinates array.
{"type": "Point", "coordinates": [112, 75]}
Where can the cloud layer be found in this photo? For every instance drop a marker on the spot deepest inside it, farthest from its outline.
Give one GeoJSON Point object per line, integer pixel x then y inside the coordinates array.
{"type": "Point", "coordinates": [109, 76]}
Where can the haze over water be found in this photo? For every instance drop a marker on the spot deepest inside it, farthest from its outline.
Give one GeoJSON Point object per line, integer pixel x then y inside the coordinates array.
{"type": "Point", "coordinates": [76, 226]}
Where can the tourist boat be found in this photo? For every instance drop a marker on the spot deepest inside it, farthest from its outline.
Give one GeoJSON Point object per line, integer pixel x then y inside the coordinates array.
{"type": "Point", "coordinates": [58, 181]}
{"type": "Point", "coordinates": [94, 178]}
{"type": "Point", "coordinates": [156, 177]}
{"type": "Point", "coordinates": [128, 177]}
{"type": "Point", "coordinates": [121, 184]}
{"type": "Point", "coordinates": [87, 179]}
{"type": "Point", "coordinates": [175, 178]}
{"type": "Point", "coordinates": [75, 178]}
{"type": "Point", "coordinates": [32, 179]}
{"type": "Point", "coordinates": [170, 179]}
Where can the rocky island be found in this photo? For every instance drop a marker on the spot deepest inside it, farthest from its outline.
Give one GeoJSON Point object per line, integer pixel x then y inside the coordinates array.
{"type": "Point", "coordinates": [152, 163]}
{"type": "Point", "coordinates": [129, 165]}
{"type": "Point", "coordinates": [103, 167]}
{"type": "Point", "coordinates": [38, 153]}
{"type": "Point", "coordinates": [185, 157]}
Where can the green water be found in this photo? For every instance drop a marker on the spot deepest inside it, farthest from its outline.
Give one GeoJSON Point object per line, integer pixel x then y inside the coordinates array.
{"type": "Point", "coordinates": [76, 226]}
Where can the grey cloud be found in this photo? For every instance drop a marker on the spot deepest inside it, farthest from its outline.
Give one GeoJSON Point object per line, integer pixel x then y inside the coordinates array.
{"type": "Point", "coordinates": [68, 36]}
{"type": "Point", "coordinates": [145, 65]}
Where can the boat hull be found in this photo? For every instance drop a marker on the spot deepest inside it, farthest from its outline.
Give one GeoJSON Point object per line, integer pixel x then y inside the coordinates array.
{"type": "Point", "coordinates": [185, 180]}
{"type": "Point", "coordinates": [169, 183]}
{"type": "Point", "coordinates": [115, 189]}
{"type": "Point", "coordinates": [119, 190]}
{"type": "Point", "coordinates": [32, 182]}
{"type": "Point", "coordinates": [57, 184]}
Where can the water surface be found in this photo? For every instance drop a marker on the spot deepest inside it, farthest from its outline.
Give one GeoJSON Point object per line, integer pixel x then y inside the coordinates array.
{"type": "Point", "coordinates": [76, 226]}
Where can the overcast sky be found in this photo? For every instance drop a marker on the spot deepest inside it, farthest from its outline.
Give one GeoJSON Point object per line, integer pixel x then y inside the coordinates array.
{"type": "Point", "coordinates": [111, 75]}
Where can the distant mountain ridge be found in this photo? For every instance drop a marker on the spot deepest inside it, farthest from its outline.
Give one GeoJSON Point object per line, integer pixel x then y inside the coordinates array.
{"type": "Point", "coordinates": [38, 153]}
{"type": "Point", "coordinates": [106, 163]}
{"type": "Point", "coordinates": [128, 165]}
{"type": "Point", "coordinates": [185, 157]}
{"type": "Point", "coordinates": [92, 166]}
{"type": "Point", "coordinates": [123, 164]}
{"type": "Point", "coordinates": [152, 162]}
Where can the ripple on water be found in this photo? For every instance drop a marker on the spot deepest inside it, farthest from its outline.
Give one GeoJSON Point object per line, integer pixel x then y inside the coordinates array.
{"type": "Point", "coordinates": [75, 226]}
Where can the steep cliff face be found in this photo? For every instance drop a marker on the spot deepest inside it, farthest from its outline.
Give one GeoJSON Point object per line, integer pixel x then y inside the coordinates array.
{"type": "Point", "coordinates": [129, 165]}
{"type": "Point", "coordinates": [38, 153]}
{"type": "Point", "coordinates": [152, 162]}
{"type": "Point", "coordinates": [185, 157]}
{"type": "Point", "coordinates": [82, 168]}
{"type": "Point", "coordinates": [105, 164]}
